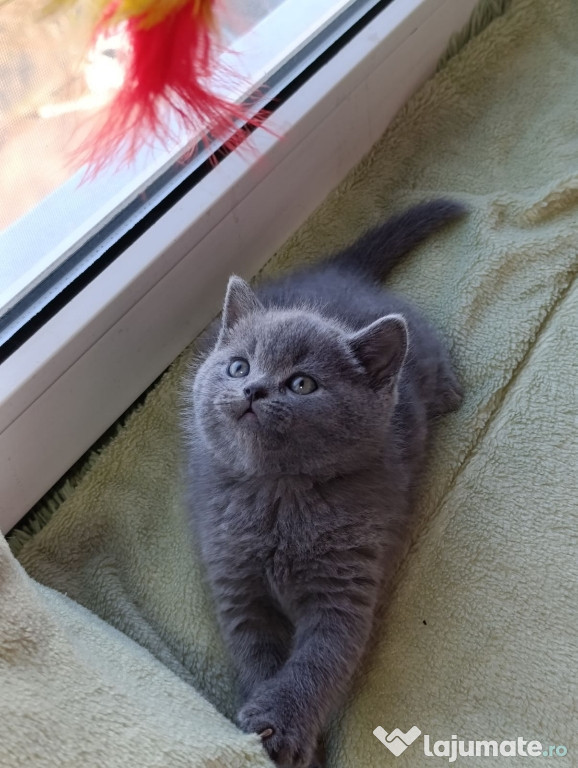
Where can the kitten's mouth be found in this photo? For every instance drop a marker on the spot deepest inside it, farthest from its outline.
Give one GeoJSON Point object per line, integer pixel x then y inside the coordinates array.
{"type": "Point", "coordinates": [248, 415]}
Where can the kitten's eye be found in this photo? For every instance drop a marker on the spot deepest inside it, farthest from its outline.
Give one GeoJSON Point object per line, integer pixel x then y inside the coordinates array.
{"type": "Point", "coordinates": [238, 367]}
{"type": "Point", "coordinates": [301, 384]}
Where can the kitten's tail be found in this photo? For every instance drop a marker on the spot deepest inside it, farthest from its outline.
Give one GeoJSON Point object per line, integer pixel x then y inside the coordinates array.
{"type": "Point", "coordinates": [377, 252]}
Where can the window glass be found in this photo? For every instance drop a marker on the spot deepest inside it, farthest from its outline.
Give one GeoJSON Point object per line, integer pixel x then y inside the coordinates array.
{"type": "Point", "coordinates": [53, 224]}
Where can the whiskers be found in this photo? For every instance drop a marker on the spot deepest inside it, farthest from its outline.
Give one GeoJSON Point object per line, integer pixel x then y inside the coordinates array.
{"type": "Point", "coordinates": [277, 414]}
{"type": "Point", "coordinates": [222, 400]}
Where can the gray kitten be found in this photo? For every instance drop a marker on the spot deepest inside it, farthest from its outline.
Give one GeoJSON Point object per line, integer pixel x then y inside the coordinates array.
{"type": "Point", "coordinates": [307, 433]}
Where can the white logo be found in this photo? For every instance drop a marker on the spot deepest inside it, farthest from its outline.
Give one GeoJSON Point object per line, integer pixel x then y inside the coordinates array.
{"type": "Point", "coordinates": [397, 741]}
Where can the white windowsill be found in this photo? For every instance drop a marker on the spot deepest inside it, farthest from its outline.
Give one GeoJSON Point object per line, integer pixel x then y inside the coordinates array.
{"type": "Point", "coordinates": [68, 217]}
{"type": "Point", "coordinates": [69, 382]}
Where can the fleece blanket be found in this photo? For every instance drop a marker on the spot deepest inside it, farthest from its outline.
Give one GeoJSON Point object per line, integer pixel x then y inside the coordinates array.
{"type": "Point", "coordinates": [109, 651]}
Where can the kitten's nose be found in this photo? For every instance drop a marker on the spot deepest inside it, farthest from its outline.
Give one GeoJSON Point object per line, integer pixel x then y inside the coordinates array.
{"type": "Point", "coordinates": [254, 391]}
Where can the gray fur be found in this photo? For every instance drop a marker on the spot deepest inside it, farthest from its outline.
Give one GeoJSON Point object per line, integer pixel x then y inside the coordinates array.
{"type": "Point", "coordinates": [299, 507]}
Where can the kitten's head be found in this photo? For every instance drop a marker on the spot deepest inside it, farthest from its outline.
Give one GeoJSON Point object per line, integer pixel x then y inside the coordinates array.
{"type": "Point", "coordinates": [288, 391]}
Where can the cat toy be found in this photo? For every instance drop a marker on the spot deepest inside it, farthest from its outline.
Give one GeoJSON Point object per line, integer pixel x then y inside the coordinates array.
{"type": "Point", "coordinates": [168, 57]}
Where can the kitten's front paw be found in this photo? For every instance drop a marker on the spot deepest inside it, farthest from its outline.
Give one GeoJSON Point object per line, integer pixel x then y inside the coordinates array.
{"type": "Point", "coordinates": [274, 712]}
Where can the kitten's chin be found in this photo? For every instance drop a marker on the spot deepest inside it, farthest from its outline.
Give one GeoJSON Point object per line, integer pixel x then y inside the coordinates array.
{"type": "Point", "coordinates": [248, 419]}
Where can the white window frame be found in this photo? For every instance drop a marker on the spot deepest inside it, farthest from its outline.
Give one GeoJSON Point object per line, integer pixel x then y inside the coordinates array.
{"type": "Point", "coordinates": [76, 375]}
{"type": "Point", "coordinates": [289, 31]}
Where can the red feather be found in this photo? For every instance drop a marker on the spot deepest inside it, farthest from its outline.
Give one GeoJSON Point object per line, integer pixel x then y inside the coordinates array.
{"type": "Point", "coordinates": [165, 91]}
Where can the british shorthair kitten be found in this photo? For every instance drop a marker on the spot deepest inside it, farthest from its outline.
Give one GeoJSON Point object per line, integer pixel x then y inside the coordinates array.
{"type": "Point", "coordinates": [307, 425]}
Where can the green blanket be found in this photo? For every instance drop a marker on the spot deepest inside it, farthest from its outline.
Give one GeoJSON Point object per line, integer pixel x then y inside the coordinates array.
{"type": "Point", "coordinates": [480, 634]}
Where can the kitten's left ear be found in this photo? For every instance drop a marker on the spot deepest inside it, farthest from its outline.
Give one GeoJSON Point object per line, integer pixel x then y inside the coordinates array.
{"type": "Point", "coordinates": [381, 348]}
{"type": "Point", "coordinates": [239, 302]}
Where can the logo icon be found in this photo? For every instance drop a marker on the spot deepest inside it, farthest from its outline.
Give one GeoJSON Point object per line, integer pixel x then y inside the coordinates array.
{"type": "Point", "coordinates": [397, 741]}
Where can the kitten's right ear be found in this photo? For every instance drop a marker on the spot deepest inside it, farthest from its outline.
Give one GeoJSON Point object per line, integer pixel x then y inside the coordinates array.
{"type": "Point", "coordinates": [239, 302]}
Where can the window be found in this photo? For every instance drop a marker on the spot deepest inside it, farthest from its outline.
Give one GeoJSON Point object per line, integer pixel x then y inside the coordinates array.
{"type": "Point", "coordinates": [53, 226]}
{"type": "Point", "coordinates": [94, 349]}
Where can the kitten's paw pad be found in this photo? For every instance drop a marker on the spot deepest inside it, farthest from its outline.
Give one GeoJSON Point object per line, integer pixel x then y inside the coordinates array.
{"type": "Point", "coordinates": [275, 719]}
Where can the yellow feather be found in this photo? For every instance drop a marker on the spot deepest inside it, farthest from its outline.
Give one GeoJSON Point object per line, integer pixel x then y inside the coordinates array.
{"type": "Point", "coordinates": [150, 12]}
